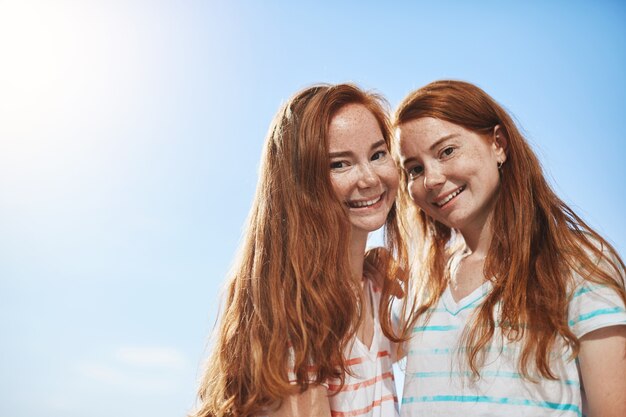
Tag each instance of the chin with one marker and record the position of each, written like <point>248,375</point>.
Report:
<point>368,227</point>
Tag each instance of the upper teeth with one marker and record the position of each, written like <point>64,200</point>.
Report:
<point>449,197</point>
<point>365,203</point>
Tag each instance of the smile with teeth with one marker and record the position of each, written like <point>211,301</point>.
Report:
<point>366,203</point>
<point>449,197</point>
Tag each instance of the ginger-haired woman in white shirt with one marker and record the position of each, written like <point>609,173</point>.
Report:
<point>300,333</point>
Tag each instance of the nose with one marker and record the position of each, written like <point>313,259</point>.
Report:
<point>367,176</point>
<point>433,179</point>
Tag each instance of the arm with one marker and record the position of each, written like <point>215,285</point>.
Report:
<point>603,368</point>
<point>311,403</point>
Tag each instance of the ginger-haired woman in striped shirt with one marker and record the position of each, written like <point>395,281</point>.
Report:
<point>300,333</point>
<point>523,308</point>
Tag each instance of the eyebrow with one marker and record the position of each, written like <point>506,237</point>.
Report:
<point>348,153</point>
<point>432,147</point>
<point>441,140</point>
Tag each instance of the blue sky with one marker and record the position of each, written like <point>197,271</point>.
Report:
<point>130,134</point>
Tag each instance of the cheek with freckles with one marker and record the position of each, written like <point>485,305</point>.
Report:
<point>391,179</point>
<point>342,183</point>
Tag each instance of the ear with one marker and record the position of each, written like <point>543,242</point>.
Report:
<point>500,143</point>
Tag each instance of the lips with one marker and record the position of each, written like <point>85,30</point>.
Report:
<point>443,201</point>
<point>364,203</point>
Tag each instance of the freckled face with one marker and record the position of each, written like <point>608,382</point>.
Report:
<point>452,172</point>
<point>363,174</point>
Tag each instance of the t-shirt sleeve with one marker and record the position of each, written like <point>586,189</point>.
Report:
<point>594,306</point>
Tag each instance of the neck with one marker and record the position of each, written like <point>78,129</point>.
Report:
<point>358,242</point>
<point>478,239</point>
<point>469,272</point>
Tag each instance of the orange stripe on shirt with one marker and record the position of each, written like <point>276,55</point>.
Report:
<point>356,361</point>
<point>366,383</point>
<point>367,409</point>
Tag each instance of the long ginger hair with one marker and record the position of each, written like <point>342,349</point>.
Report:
<point>290,302</point>
<point>538,242</point>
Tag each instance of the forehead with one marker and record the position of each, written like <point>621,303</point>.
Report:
<point>351,125</point>
<point>427,128</point>
<point>425,136</point>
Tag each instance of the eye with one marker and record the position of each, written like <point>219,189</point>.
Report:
<point>414,171</point>
<point>338,164</point>
<point>447,151</point>
<point>379,155</point>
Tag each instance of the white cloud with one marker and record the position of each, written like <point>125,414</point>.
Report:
<point>151,357</point>
<point>143,370</point>
<point>126,380</point>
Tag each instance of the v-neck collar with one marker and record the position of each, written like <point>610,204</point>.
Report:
<point>471,300</point>
<point>359,344</point>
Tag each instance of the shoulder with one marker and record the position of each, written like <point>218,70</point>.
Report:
<point>311,403</point>
<point>594,305</point>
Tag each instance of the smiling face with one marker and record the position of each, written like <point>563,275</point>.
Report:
<point>452,172</point>
<point>363,174</point>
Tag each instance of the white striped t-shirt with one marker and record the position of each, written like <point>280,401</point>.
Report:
<point>438,382</point>
<point>371,390</point>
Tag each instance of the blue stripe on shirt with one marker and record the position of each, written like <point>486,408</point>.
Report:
<point>595,313</point>
<point>448,351</point>
<point>434,328</point>
<point>588,288</point>
<point>492,400</point>
<point>470,305</point>
<point>497,374</point>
